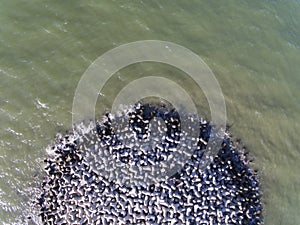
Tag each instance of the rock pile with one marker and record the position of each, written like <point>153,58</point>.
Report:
<point>73,192</point>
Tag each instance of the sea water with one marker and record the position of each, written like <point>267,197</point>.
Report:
<point>253,48</point>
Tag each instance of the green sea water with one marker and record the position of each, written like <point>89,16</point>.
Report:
<point>253,48</point>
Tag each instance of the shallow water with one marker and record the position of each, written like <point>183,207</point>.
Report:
<point>253,48</point>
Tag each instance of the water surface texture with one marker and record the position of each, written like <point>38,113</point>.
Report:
<point>253,48</point>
